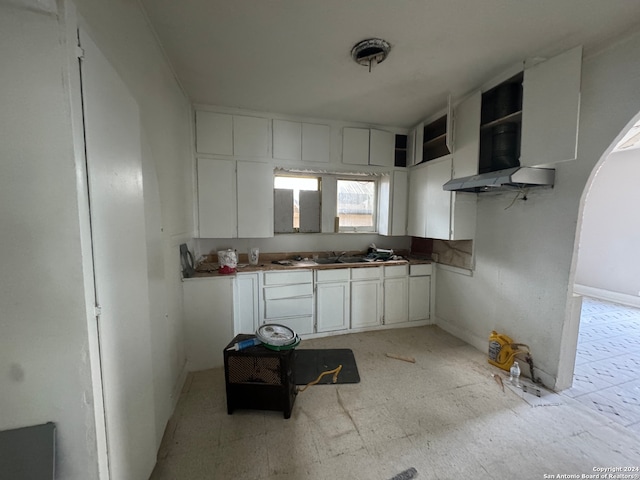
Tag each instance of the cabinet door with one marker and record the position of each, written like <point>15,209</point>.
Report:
<point>419,298</point>
<point>438,201</point>
<point>316,143</point>
<point>366,303</point>
<point>246,300</point>
<point>287,140</point>
<point>332,306</point>
<point>392,204</point>
<point>467,136</point>
<point>396,300</point>
<point>255,200</point>
<point>399,195</point>
<point>355,146</point>
<point>214,133</point>
<point>382,148</point>
<point>550,108</point>
<point>208,324</point>
<point>417,139</point>
<point>250,136</point>
<point>217,198</point>
<point>417,214</point>
<point>464,208</point>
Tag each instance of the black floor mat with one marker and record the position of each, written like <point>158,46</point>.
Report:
<point>308,364</point>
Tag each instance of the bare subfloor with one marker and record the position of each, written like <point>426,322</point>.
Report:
<point>445,415</point>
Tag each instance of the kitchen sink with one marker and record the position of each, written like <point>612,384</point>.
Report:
<point>334,260</point>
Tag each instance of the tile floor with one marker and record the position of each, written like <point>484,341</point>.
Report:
<point>445,416</point>
<point>607,373</point>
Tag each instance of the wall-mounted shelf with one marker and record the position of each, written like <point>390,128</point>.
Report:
<point>434,144</point>
<point>500,126</point>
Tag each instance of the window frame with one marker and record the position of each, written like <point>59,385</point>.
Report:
<point>328,188</point>
<point>374,213</point>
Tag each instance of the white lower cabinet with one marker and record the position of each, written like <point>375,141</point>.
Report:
<point>208,310</point>
<point>333,300</point>
<point>420,292</point>
<point>396,294</point>
<point>288,299</point>
<point>246,303</point>
<point>366,297</point>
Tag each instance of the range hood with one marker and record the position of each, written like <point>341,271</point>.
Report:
<point>509,179</point>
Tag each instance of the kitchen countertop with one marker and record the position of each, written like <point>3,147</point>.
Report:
<point>210,269</point>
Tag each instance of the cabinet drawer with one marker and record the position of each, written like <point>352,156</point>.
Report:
<point>417,270</point>
<point>288,307</point>
<point>286,278</point>
<point>288,291</point>
<point>395,271</point>
<point>338,275</point>
<point>367,273</point>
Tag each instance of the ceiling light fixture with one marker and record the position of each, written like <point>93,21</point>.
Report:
<point>370,52</point>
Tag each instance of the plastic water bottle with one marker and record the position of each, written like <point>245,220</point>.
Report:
<point>514,374</point>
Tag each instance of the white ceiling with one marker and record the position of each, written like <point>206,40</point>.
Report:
<point>293,56</point>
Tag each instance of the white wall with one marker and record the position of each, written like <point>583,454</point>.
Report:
<point>121,31</point>
<point>524,255</point>
<point>45,373</point>
<point>609,251</point>
<point>47,334</point>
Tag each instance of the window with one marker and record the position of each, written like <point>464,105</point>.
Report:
<point>356,205</point>
<point>297,204</point>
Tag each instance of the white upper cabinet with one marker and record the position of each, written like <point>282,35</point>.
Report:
<point>551,105</point>
<point>363,146</point>
<point>235,199</point>
<point>287,140</point>
<point>316,143</point>
<point>382,146</point>
<point>225,134</point>
<point>214,133</point>
<point>255,200</point>
<point>355,146</point>
<point>417,204</point>
<point>438,201</point>
<point>467,136</point>
<point>250,136</point>
<point>217,211</point>
<point>297,141</point>
<point>392,204</point>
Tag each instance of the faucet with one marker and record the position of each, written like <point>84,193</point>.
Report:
<point>339,256</point>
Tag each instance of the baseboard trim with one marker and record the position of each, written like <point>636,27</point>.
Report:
<point>607,295</point>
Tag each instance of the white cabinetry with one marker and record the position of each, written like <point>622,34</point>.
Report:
<point>434,212</point>
<point>225,134</point>
<point>208,310</point>
<point>392,203</point>
<point>550,109</point>
<point>419,292</point>
<point>366,297</point>
<point>255,200</point>
<point>333,300</point>
<point>288,299</point>
<point>217,206</point>
<point>235,199</point>
<point>417,203</point>
<point>396,294</point>
<point>363,146</point>
<point>246,302</point>
<point>301,141</point>
<point>214,133</point>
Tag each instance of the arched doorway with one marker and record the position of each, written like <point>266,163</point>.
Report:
<point>606,338</point>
